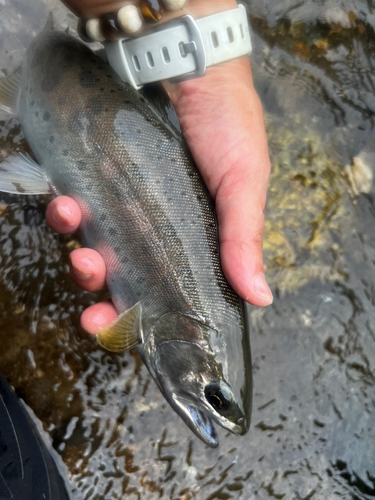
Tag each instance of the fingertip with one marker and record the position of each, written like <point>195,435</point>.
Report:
<point>98,316</point>
<point>243,268</point>
<point>87,269</point>
<point>63,215</point>
<point>259,292</point>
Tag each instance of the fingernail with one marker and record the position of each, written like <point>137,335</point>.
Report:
<point>62,214</point>
<point>85,271</point>
<point>262,289</point>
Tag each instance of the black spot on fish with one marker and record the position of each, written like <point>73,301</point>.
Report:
<point>112,91</point>
<point>109,76</point>
<point>32,103</point>
<point>96,105</point>
<point>81,165</point>
<point>112,231</point>
<point>102,89</point>
<point>127,102</point>
<point>139,131</point>
<point>182,220</point>
<point>65,152</point>
<point>160,157</point>
<point>103,217</point>
<point>46,116</point>
<point>173,160</point>
<point>183,193</point>
<point>87,79</point>
<point>139,280</point>
<point>51,138</point>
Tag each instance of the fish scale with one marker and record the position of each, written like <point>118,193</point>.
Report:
<point>146,210</point>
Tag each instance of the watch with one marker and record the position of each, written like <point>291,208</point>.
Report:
<point>182,48</point>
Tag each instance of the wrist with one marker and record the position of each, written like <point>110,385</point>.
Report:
<point>230,75</point>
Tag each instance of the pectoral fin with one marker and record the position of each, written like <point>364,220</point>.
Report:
<point>124,332</point>
<point>10,87</point>
<point>20,174</point>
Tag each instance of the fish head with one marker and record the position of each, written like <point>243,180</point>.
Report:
<point>191,374</point>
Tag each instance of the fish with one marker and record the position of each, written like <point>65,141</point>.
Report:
<point>146,210</point>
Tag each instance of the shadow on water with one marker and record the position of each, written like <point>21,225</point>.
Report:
<point>314,350</point>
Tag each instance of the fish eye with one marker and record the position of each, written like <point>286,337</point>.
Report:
<point>219,396</point>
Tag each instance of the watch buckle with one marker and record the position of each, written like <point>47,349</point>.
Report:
<point>117,51</point>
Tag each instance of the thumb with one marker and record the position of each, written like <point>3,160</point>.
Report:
<point>240,202</point>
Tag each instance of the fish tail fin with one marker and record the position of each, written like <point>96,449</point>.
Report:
<point>50,25</point>
<point>10,88</point>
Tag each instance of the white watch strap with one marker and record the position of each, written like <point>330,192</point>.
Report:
<point>182,48</point>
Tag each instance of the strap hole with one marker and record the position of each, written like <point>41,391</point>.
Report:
<point>136,64</point>
<point>165,54</point>
<point>215,40</point>
<point>150,60</point>
<point>182,50</point>
<point>242,32</point>
<point>230,34</point>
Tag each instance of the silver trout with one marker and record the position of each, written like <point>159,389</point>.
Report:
<point>147,212</point>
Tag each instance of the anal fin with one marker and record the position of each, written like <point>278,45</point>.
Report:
<point>20,174</point>
<point>124,332</point>
<point>10,88</point>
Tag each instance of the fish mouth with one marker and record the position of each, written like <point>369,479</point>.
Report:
<point>201,424</point>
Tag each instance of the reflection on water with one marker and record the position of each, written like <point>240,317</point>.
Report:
<point>314,350</point>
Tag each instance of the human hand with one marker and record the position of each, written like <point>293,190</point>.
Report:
<point>222,121</point>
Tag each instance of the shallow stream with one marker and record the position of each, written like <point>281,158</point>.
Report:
<point>313,425</point>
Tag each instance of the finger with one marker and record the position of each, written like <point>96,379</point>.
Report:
<point>240,234</point>
<point>63,215</point>
<point>240,203</point>
<point>87,269</point>
<point>98,316</point>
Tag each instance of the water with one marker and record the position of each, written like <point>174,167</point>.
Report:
<point>313,428</point>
